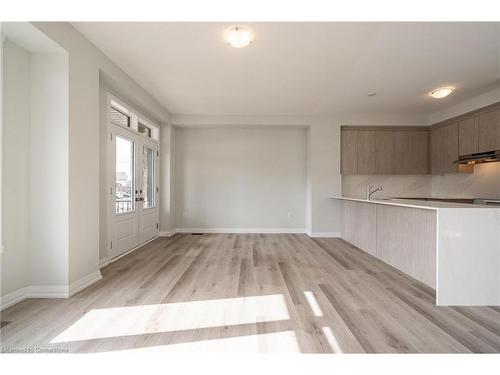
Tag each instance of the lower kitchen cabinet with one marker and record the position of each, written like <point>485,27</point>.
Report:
<point>359,225</point>
<point>406,239</point>
<point>403,237</point>
<point>442,245</point>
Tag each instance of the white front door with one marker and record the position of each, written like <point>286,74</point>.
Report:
<point>133,203</point>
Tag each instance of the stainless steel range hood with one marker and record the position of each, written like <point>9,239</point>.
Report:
<point>480,157</point>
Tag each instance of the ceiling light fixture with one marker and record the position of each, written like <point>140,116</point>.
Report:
<point>441,92</point>
<point>238,37</point>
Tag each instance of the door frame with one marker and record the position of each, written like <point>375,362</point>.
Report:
<point>140,140</point>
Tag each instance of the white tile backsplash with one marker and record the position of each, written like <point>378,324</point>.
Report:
<point>483,183</point>
<point>408,186</point>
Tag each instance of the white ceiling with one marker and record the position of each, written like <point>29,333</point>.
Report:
<point>304,68</point>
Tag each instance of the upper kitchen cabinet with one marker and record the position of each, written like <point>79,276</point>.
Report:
<point>349,152</point>
<point>402,152</point>
<point>390,150</point>
<point>444,148</point>
<point>468,136</point>
<point>451,148</point>
<point>411,152</point>
<point>419,148</point>
<point>384,152</point>
<point>366,152</point>
<point>489,130</point>
<point>437,152</point>
<point>479,132</point>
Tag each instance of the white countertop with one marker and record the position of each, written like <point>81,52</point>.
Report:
<point>429,205</point>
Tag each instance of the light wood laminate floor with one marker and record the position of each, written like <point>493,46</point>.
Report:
<point>251,292</point>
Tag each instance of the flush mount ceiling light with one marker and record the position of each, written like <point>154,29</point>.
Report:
<point>441,92</point>
<point>238,36</point>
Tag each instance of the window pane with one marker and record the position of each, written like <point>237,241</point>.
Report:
<point>143,129</point>
<point>148,170</point>
<point>119,118</point>
<point>124,197</point>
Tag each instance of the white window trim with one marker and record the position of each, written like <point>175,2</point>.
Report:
<point>135,118</point>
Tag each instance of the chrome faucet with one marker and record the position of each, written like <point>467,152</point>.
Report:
<point>372,189</point>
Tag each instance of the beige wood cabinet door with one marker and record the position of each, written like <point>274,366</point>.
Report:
<point>359,225</point>
<point>349,152</point>
<point>444,149</point>
<point>419,152</point>
<point>366,152</point>
<point>384,152</point>
<point>437,150</point>
<point>489,131</point>
<point>468,136</point>
<point>406,239</point>
<point>451,148</point>
<point>402,152</point>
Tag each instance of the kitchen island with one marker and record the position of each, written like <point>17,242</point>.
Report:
<point>452,247</point>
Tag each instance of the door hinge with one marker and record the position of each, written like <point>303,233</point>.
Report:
<point>111,190</point>
<point>111,135</point>
<point>111,245</point>
<point>157,189</point>
<point>157,226</point>
<point>157,153</point>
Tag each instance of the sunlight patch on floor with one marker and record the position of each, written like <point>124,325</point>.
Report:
<point>313,303</point>
<point>144,319</point>
<point>277,342</point>
<point>327,331</point>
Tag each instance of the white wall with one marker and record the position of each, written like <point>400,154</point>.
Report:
<point>167,197</point>
<point>85,63</point>
<point>35,169</point>
<point>15,162</point>
<point>323,156</point>
<point>483,183</point>
<point>323,177</point>
<point>240,177</point>
<point>48,169</point>
<point>479,101</point>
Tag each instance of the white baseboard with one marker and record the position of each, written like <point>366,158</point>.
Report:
<point>103,262</point>
<point>14,297</point>
<point>84,282</point>
<point>111,260</point>
<point>240,230</point>
<point>48,291</point>
<point>324,234</point>
<point>167,233</point>
<point>34,291</point>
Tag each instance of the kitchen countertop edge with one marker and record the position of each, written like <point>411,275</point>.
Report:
<point>427,205</point>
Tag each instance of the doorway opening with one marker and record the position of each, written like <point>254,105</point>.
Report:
<point>133,158</point>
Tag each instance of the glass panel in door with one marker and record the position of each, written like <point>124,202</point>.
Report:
<point>148,177</point>
<point>124,189</point>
